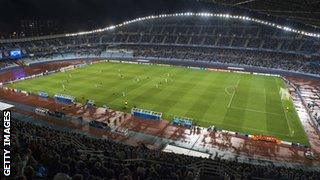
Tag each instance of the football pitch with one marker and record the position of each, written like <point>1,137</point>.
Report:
<point>232,101</point>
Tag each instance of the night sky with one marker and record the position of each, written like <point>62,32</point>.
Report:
<point>80,15</point>
<point>75,15</point>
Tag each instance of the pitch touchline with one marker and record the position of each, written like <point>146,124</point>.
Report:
<point>285,114</point>
<point>234,92</point>
<point>245,109</point>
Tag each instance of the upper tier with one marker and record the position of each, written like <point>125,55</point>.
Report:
<point>209,31</point>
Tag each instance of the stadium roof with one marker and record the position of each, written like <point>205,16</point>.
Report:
<point>5,106</point>
<point>204,14</point>
<point>306,12</point>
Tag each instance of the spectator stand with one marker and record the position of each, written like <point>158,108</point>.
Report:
<point>99,125</point>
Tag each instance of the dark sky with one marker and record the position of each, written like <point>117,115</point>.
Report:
<point>77,15</point>
<point>79,12</point>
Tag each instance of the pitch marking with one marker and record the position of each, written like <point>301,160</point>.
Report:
<point>226,89</point>
<point>253,110</point>
<point>283,108</point>
<point>234,92</point>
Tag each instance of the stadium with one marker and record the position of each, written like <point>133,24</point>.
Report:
<point>187,95</point>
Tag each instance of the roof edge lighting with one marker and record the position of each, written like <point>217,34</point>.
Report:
<point>203,14</point>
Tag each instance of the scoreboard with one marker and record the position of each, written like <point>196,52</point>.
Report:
<point>12,54</point>
<point>15,54</point>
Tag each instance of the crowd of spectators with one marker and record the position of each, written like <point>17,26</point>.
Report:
<point>42,152</point>
<point>270,43</point>
<point>45,152</point>
<point>185,31</point>
<point>267,59</point>
<point>292,62</point>
<point>56,54</point>
<point>314,106</point>
<point>200,39</point>
<point>315,110</point>
<point>5,64</point>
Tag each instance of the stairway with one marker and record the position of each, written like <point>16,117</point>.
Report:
<point>20,63</point>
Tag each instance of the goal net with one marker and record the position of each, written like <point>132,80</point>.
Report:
<point>284,94</point>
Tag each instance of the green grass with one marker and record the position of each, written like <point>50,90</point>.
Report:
<point>238,102</point>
